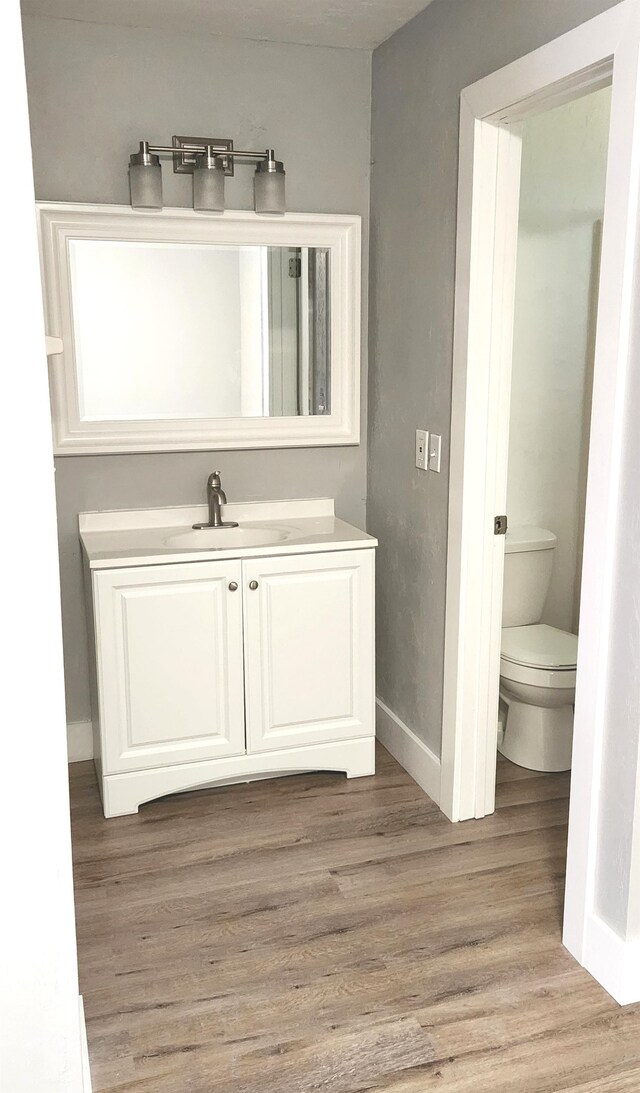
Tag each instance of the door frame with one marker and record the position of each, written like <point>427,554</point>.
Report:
<point>602,51</point>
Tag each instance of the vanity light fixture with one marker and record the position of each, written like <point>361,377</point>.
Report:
<point>208,159</point>
<point>145,179</point>
<point>268,185</point>
<point>208,183</point>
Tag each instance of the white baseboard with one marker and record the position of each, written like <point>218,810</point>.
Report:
<point>614,962</point>
<point>79,741</point>
<point>417,759</point>
<point>86,1072</point>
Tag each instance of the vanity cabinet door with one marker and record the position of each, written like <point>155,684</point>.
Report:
<point>170,674</point>
<point>309,675</point>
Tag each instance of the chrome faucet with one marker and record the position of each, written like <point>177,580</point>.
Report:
<point>215,498</point>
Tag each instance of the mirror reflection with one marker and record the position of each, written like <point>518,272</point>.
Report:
<point>245,330</point>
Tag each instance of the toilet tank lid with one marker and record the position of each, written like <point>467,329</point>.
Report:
<point>528,538</point>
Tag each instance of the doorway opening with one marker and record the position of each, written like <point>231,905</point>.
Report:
<point>562,190</point>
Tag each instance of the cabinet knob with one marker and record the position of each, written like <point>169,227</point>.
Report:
<point>253,585</point>
<point>233,586</point>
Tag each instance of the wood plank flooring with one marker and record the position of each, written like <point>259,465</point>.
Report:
<point>318,935</point>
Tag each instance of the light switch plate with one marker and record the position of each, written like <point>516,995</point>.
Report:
<point>422,449</point>
<point>435,449</point>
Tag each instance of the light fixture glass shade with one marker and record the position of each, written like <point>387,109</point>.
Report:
<point>145,179</point>
<point>208,184</point>
<point>268,187</point>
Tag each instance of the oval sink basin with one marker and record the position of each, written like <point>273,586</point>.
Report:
<point>224,538</point>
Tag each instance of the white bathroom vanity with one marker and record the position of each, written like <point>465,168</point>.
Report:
<point>227,654</point>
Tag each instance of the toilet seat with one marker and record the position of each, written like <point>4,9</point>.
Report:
<point>558,678</point>
<point>539,655</point>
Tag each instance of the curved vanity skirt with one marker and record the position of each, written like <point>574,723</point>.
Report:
<point>122,794</point>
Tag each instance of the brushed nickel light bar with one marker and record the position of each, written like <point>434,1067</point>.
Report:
<point>209,160</point>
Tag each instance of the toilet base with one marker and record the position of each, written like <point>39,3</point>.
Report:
<point>535,737</point>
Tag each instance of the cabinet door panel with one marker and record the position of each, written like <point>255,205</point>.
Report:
<point>170,657</point>
<point>308,649</point>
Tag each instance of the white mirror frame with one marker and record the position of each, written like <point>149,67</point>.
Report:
<point>60,222</point>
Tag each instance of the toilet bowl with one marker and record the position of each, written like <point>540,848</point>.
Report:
<point>537,662</point>
<point>537,689</point>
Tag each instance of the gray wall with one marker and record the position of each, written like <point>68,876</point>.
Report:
<point>94,92</point>
<point>417,78</point>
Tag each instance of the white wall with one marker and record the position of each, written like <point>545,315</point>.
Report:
<point>562,197</point>
<point>40,1019</point>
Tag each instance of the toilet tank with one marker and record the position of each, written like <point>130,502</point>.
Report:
<point>528,562</point>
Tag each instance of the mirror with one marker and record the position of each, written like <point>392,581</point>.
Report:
<point>246,328</point>
<point>182,330</point>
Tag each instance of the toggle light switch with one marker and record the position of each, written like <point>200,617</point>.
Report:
<point>435,448</point>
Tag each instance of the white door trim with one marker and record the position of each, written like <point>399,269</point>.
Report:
<point>601,50</point>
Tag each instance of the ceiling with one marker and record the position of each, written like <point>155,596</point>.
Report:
<point>355,24</point>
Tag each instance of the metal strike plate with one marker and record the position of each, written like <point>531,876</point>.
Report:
<point>183,161</point>
<point>500,525</point>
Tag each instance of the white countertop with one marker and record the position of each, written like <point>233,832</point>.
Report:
<point>148,536</point>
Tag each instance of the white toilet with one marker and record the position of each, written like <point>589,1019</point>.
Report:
<point>537,662</point>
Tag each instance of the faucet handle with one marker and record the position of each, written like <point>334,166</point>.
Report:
<point>213,481</point>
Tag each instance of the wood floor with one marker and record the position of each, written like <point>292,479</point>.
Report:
<point>319,935</point>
